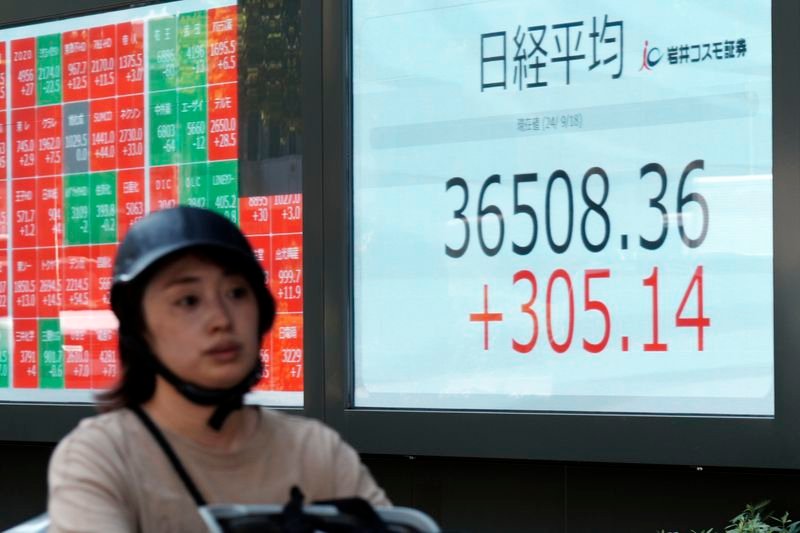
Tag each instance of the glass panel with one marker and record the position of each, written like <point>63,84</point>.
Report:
<point>104,118</point>
<point>563,206</point>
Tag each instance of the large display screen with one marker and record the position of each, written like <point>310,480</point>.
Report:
<point>563,206</point>
<point>104,118</point>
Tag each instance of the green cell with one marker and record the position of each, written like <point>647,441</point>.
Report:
<point>48,69</point>
<point>103,203</point>
<point>162,40</point>
<point>4,354</point>
<point>192,121</point>
<point>194,185</point>
<point>51,354</point>
<point>163,128</point>
<point>76,209</point>
<point>192,49</point>
<point>223,189</point>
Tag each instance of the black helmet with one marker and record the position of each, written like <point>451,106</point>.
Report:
<point>152,241</point>
<point>164,233</point>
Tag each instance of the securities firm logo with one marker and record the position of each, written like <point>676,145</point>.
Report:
<point>692,53</point>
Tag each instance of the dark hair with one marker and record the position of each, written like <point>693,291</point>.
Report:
<point>137,382</point>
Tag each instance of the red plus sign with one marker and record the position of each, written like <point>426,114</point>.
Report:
<point>486,317</point>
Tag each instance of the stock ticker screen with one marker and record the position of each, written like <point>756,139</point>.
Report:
<point>104,118</point>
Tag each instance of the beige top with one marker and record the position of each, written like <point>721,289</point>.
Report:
<point>109,474</point>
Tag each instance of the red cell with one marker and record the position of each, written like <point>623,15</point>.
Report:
<point>77,352</point>
<point>23,72</point>
<point>100,285</point>
<point>3,145</point>
<point>163,187</point>
<point>287,353</point>
<point>223,130</point>
<point>49,211</point>
<point>102,62</point>
<point>262,248</point>
<point>75,65</point>
<point>266,362</point>
<point>23,135</point>
<point>76,273</point>
<point>23,212</point>
<point>3,83</point>
<point>287,213</point>
<point>25,276</point>
<point>103,135</point>
<point>287,272</point>
<point>222,45</point>
<point>130,199</point>
<point>26,354</point>
<point>3,214</point>
<point>3,282</point>
<point>49,132</point>
<point>130,53</point>
<point>49,281</point>
<point>130,130</point>
<point>254,215</point>
<point>105,363</point>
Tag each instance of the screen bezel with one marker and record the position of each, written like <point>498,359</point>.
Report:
<point>48,422</point>
<point>762,442</point>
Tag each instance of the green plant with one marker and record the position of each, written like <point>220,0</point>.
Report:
<point>757,519</point>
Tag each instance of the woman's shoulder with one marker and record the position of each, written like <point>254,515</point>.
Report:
<point>100,435</point>
<point>113,424</point>
<point>332,468</point>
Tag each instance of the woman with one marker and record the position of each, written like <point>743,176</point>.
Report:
<point>192,307</point>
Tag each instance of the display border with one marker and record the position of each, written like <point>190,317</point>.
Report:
<point>760,442</point>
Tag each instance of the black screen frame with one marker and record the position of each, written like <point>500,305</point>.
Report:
<point>758,442</point>
<point>328,305</point>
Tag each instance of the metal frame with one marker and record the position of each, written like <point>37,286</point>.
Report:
<point>313,216</point>
<point>688,440</point>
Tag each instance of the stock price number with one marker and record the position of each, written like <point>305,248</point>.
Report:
<point>591,207</point>
<point>541,313</point>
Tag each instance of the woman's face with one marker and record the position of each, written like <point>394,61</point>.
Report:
<point>202,322</point>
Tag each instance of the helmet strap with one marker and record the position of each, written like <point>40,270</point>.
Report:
<point>227,400</point>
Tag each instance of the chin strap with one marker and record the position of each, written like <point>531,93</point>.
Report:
<point>227,400</point>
